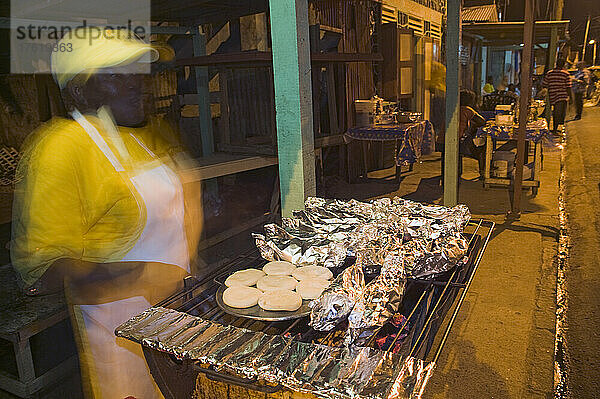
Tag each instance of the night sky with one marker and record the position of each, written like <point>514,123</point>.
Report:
<point>576,11</point>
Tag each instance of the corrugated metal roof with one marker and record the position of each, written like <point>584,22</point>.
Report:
<point>486,13</point>
<point>511,33</point>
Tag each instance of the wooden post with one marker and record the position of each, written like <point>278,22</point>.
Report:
<point>204,114</point>
<point>526,77</point>
<point>552,47</point>
<point>484,55</point>
<point>558,9</point>
<point>293,102</point>
<point>315,36</point>
<point>585,38</point>
<point>452,104</point>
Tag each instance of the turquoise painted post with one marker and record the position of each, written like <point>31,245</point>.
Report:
<point>293,102</point>
<point>452,104</point>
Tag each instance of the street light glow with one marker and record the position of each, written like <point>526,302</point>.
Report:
<point>592,41</point>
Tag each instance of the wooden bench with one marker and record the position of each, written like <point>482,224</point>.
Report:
<point>36,340</point>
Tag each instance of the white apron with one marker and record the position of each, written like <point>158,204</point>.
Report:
<point>117,366</point>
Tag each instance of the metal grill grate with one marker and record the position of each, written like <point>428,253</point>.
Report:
<point>424,307</point>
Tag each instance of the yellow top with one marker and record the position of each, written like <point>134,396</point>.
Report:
<point>488,88</point>
<point>71,202</point>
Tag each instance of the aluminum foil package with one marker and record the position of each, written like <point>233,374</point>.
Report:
<point>136,327</point>
<point>426,259</point>
<point>406,238</point>
<point>326,372</point>
<point>302,248</point>
<point>284,365</point>
<point>337,301</point>
<point>411,380</point>
<point>356,377</point>
<point>381,298</point>
<point>304,375</point>
<point>180,323</point>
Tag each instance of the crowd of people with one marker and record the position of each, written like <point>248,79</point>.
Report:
<point>558,86</point>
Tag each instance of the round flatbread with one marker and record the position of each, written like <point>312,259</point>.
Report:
<point>312,288</point>
<point>245,278</point>
<point>304,272</point>
<point>279,268</point>
<point>241,297</point>
<point>278,300</point>
<point>268,283</point>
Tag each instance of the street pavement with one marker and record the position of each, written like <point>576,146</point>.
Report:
<point>502,343</point>
<point>582,194</point>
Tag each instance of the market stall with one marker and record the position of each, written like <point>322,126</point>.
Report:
<point>396,269</point>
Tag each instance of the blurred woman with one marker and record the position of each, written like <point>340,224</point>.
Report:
<point>101,209</point>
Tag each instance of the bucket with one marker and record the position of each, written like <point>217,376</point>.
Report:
<point>364,111</point>
<point>503,163</point>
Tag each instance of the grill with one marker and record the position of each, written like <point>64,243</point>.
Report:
<point>427,314</point>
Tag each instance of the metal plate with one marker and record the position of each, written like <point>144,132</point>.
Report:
<point>257,313</point>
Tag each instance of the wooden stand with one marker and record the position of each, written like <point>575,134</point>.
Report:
<point>489,181</point>
<point>37,328</point>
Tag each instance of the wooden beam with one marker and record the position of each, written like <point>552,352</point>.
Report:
<point>224,101</point>
<point>526,78</point>
<point>452,103</point>
<point>552,47</point>
<point>266,57</point>
<point>315,35</point>
<point>329,141</point>
<point>240,228</point>
<point>205,117</point>
<point>332,100</point>
<point>293,102</point>
<point>223,164</point>
<point>484,57</point>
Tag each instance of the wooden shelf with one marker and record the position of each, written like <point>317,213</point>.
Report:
<point>266,58</point>
<point>221,164</point>
<point>329,141</point>
<point>507,182</point>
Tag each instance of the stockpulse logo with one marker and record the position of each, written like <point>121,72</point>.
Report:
<point>55,33</point>
<point>37,27</point>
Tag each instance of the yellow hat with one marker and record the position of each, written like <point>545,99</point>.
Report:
<point>87,49</point>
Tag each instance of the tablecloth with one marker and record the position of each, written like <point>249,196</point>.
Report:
<point>412,139</point>
<point>535,131</point>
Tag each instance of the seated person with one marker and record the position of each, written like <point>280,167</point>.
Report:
<point>470,121</point>
<point>499,97</point>
<point>489,86</point>
<point>513,90</point>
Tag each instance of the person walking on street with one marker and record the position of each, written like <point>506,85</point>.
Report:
<point>558,83</point>
<point>581,80</point>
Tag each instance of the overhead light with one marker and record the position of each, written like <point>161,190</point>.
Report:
<point>592,41</point>
<point>522,44</point>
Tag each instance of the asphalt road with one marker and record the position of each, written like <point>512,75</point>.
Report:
<point>582,194</point>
